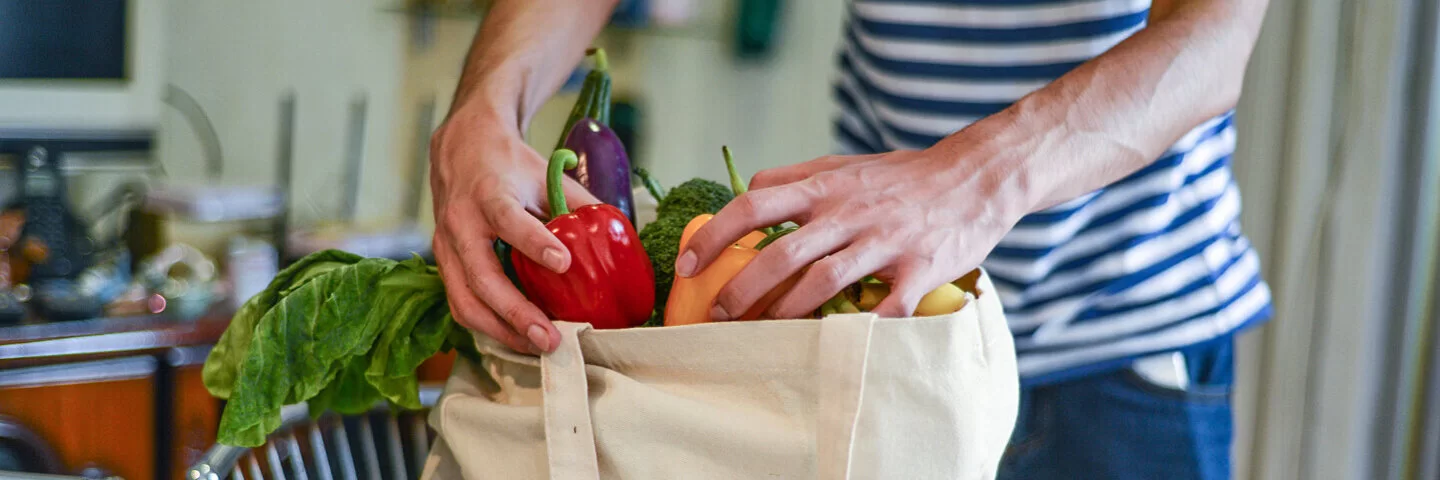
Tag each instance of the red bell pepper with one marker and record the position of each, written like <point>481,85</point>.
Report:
<point>610,283</point>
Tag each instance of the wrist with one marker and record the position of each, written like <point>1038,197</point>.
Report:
<point>470,127</point>
<point>493,91</point>
<point>1000,154</point>
<point>490,111</point>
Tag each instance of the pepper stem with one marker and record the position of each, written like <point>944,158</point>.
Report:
<point>560,161</point>
<point>736,183</point>
<point>771,237</point>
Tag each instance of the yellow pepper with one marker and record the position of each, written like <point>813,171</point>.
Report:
<point>692,298</point>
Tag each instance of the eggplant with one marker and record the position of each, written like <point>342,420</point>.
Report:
<point>603,167</point>
<point>594,101</point>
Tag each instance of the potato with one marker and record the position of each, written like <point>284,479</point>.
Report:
<point>871,294</point>
<point>947,298</point>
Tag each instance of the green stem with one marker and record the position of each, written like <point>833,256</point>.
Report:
<point>650,183</point>
<point>599,107</point>
<point>772,237</point>
<point>560,161</point>
<point>582,104</point>
<point>602,62</point>
<point>736,183</point>
<point>592,104</point>
<point>602,109</point>
<point>597,84</point>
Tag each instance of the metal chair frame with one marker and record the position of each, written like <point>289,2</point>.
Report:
<point>330,458</point>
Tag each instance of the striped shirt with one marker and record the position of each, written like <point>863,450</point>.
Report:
<point>1151,263</point>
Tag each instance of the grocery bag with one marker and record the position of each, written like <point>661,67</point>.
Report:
<point>849,396</point>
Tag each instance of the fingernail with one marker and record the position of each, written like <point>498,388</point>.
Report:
<point>718,314</point>
<point>685,266</point>
<point>538,337</point>
<point>554,260</point>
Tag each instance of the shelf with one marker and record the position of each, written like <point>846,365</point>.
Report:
<point>72,163</point>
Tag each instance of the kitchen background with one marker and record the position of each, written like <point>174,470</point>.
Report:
<point>225,107</point>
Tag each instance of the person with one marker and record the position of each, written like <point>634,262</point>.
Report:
<point>1078,150</point>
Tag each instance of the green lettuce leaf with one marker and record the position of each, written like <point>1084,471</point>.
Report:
<point>300,345</point>
<point>415,315</point>
<point>337,331</point>
<point>461,339</point>
<point>348,394</point>
<point>222,366</point>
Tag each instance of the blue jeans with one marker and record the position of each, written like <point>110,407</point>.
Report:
<point>1120,426</point>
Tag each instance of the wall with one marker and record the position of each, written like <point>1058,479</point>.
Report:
<point>694,95</point>
<point>771,113</point>
<point>238,58</point>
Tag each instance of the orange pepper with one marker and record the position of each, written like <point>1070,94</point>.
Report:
<point>692,298</point>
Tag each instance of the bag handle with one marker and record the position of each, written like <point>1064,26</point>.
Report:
<point>842,357</point>
<point>569,434</point>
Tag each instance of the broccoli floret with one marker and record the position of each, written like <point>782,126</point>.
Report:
<point>694,197</point>
<point>661,239</point>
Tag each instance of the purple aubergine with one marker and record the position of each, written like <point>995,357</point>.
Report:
<point>603,167</point>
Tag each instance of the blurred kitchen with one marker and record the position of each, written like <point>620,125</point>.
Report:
<point>161,159</point>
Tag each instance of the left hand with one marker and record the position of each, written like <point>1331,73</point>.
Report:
<point>915,219</point>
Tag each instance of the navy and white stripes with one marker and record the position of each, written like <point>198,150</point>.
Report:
<point>1151,263</point>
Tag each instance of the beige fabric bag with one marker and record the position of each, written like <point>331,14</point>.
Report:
<point>849,396</point>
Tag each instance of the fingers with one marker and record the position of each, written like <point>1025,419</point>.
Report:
<point>486,278</point>
<point>467,308</point>
<point>576,195</point>
<point>776,263</point>
<point>753,210</point>
<point>905,293</point>
<point>793,173</point>
<point>521,230</point>
<point>829,276</point>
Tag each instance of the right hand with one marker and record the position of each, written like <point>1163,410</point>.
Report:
<point>488,182</point>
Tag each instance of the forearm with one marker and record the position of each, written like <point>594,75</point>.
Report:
<point>522,54</point>
<point>1120,111</point>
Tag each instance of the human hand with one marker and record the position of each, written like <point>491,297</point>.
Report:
<point>487,182</point>
<point>916,219</point>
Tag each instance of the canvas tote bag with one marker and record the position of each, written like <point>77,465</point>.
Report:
<point>844,397</point>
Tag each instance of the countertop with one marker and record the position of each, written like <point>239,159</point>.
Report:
<point>41,343</point>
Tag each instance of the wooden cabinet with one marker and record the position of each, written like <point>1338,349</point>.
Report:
<point>121,396</point>
<point>194,414</point>
<point>95,414</point>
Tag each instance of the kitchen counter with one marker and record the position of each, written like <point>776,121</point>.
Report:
<point>42,343</point>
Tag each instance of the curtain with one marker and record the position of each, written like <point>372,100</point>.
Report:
<point>1338,172</point>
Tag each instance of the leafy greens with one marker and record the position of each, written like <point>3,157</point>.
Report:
<point>335,330</point>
